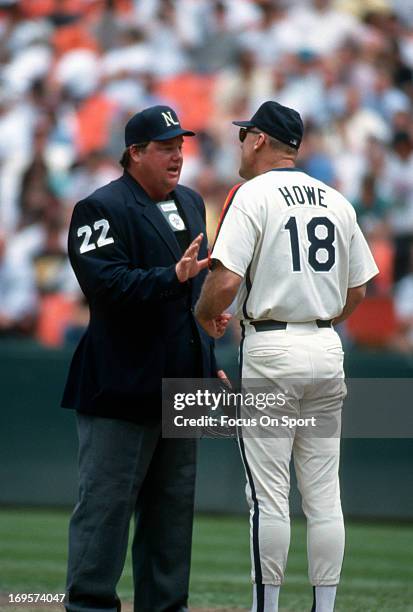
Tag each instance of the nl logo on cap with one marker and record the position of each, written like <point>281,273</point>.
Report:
<point>169,120</point>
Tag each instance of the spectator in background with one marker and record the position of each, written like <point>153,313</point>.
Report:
<point>130,56</point>
<point>304,87</point>
<point>372,215</point>
<point>370,206</point>
<point>18,296</point>
<point>52,270</point>
<point>167,46</point>
<point>403,302</point>
<point>59,294</point>
<point>220,40</point>
<point>267,38</point>
<point>17,123</point>
<point>36,194</point>
<point>315,159</point>
<point>350,139</point>
<point>361,123</point>
<point>386,99</point>
<point>88,174</point>
<point>245,80</point>
<point>320,27</point>
<point>398,181</point>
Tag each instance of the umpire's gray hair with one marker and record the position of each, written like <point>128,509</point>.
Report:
<point>125,160</point>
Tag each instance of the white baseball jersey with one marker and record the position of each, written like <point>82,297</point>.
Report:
<point>297,245</point>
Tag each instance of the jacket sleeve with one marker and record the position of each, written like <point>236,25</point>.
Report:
<point>214,365</point>
<point>99,257</point>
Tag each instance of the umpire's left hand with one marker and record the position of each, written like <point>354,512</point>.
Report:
<point>189,266</point>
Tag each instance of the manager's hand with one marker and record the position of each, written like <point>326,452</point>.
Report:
<point>189,265</point>
<point>217,326</point>
<point>224,378</point>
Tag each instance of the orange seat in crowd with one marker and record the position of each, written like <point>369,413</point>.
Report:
<point>93,124</point>
<point>74,36</point>
<point>192,95</point>
<point>374,322</point>
<point>56,313</point>
<point>41,8</point>
<point>383,253</point>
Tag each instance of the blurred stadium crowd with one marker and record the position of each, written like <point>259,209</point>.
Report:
<point>73,71</point>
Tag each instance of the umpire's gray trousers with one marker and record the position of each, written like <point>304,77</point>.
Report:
<point>127,469</point>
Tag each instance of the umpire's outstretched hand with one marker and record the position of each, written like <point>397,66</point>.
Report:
<point>189,266</point>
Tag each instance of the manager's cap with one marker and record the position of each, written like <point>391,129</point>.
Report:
<point>154,123</point>
<point>278,121</point>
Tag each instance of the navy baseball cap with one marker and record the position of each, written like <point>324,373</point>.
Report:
<point>154,123</point>
<point>278,121</point>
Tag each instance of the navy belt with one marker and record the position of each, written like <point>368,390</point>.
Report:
<point>261,326</point>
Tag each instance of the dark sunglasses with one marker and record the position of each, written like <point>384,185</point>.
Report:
<point>243,131</point>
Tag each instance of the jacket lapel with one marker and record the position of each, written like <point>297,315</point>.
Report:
<point>191,215</point>
<point>153,215</point>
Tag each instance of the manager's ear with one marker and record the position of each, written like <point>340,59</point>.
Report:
<point>260,142</point>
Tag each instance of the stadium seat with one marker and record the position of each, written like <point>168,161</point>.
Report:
<point>55,314</point>
<point>374,323</point>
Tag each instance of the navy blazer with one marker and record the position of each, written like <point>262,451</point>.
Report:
<point>124,255</point>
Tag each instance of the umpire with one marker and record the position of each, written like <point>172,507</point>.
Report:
<point>134,247</point>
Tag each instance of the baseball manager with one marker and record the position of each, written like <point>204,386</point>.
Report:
<point>289,249</point>
<point>134,247</point>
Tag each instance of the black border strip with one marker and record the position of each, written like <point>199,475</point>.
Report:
<point>248,286</point>
<point>255,518</point>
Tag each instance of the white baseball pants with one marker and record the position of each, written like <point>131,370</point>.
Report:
<point>308,362</point>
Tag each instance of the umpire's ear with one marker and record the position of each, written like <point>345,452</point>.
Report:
<point>136,151</point>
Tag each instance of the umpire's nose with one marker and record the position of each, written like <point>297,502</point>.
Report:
<point>177,153</point>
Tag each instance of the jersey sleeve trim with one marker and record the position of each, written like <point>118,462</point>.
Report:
<point>228,265</point>
<point>225,208</point>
